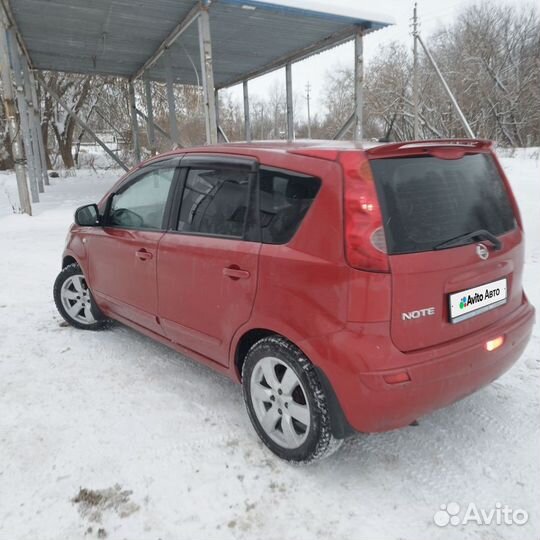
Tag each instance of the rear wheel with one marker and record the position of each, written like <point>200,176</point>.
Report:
<point>285,401</point>
<point>74,300</point>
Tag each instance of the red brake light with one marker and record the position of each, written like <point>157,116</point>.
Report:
<point>365,245</point>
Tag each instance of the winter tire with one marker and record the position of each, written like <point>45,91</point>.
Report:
<point>74,300</point>
<point>285,401</point>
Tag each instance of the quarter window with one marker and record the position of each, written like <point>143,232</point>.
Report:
<point>285,197</point>
<point>142,204</point>
<point>215,201</point>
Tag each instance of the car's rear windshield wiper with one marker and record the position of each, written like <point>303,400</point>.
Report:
<point>480,234</point>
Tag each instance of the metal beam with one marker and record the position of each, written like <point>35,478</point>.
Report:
<point>290,112</point>
<point>344,128</point>
<point>223,134</point>
<point>207,69</point>
<point>319,46</point>
<point>173,125</point>
<point>12,122</point>
<point>151,134</point>
<point>158,128</point>
<point>104,117</point>
<point>134,122</point>
<point>358,83</point>
<point>30,150</point>
<point>80,122</point>
<point>247,123</point>
<point>216,101</point>
<point>466,125</point>
<point>177,31</point>
<point>31,83</point>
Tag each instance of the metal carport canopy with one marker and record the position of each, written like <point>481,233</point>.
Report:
<point>128,37</point>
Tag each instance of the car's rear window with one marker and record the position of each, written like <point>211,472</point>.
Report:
<point>426,200</point>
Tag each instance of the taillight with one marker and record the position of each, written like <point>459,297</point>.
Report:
<point>365,244</point>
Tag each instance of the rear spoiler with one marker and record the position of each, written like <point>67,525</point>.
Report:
<point>443,148</point>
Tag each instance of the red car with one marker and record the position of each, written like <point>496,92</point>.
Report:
<point>347,289</point>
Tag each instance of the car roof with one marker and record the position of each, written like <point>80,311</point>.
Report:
<point>270,147</point>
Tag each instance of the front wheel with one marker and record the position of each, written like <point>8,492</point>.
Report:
<point>74,300</point>
<point>285,401</point>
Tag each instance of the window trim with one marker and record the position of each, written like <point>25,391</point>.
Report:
<point>251,227</point>
<point>170,163</point>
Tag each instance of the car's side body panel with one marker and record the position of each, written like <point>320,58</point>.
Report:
<point>201,304</point>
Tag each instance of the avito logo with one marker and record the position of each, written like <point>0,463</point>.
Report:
<point>469,300</point>
<point>478,297</point>
<point>453,514</point>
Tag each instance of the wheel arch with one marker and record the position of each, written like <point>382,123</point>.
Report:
<point>339,424</point>
<point>67,260</point>
<point>245,342</point>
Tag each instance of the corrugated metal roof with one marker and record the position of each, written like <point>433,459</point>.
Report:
<point>116,37</point>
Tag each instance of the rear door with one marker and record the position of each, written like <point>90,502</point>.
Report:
<point>209,257</point>
<point>429,195</point>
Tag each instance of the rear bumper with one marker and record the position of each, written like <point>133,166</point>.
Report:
<point>438,376</point>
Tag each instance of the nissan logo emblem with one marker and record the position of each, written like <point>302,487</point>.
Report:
<point>482,251</point>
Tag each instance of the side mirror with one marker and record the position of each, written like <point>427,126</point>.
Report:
<point>87,216</point>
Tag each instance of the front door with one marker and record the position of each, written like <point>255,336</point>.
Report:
<point>123,254</point>
<point>208,261</point>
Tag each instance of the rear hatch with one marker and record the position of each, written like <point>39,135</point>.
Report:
<point>453,236</point>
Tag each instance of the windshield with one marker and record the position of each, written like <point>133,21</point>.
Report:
<point>426,200</point>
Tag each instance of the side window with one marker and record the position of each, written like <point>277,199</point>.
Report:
<point>284,200</point>
<point>142,204</point>
<point>215,201</point>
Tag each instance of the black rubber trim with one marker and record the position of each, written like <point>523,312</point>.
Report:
<point>339,424</point>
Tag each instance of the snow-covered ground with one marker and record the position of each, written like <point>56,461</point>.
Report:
<point>167,443</point>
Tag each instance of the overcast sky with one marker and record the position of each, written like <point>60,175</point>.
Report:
<point>432,14</point>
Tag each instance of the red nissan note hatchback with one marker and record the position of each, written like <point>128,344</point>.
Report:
<point>347,289</point>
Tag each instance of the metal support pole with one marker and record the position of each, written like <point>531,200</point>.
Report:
<point>466,125</point>
<point>31,97</point>
<point>173,126</point>
<point>30,148</point>
<point>308,100</point>
<point>11,118</point>
<point>247,123</point>
<point>415,73</point>
<point>158,128</point>
<point>150,119</point>
<point>216,101</point>
<point>34,128</point>
<point>31,83</point>
<point>134,122</point>
<point>42,177</point>
<point>207,69</point>
<point>290,113</point>
<point>80,122</point>
<point>358,83</point>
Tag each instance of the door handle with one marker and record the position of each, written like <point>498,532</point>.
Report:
<point>235,272</point>
<point>143,255</point>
